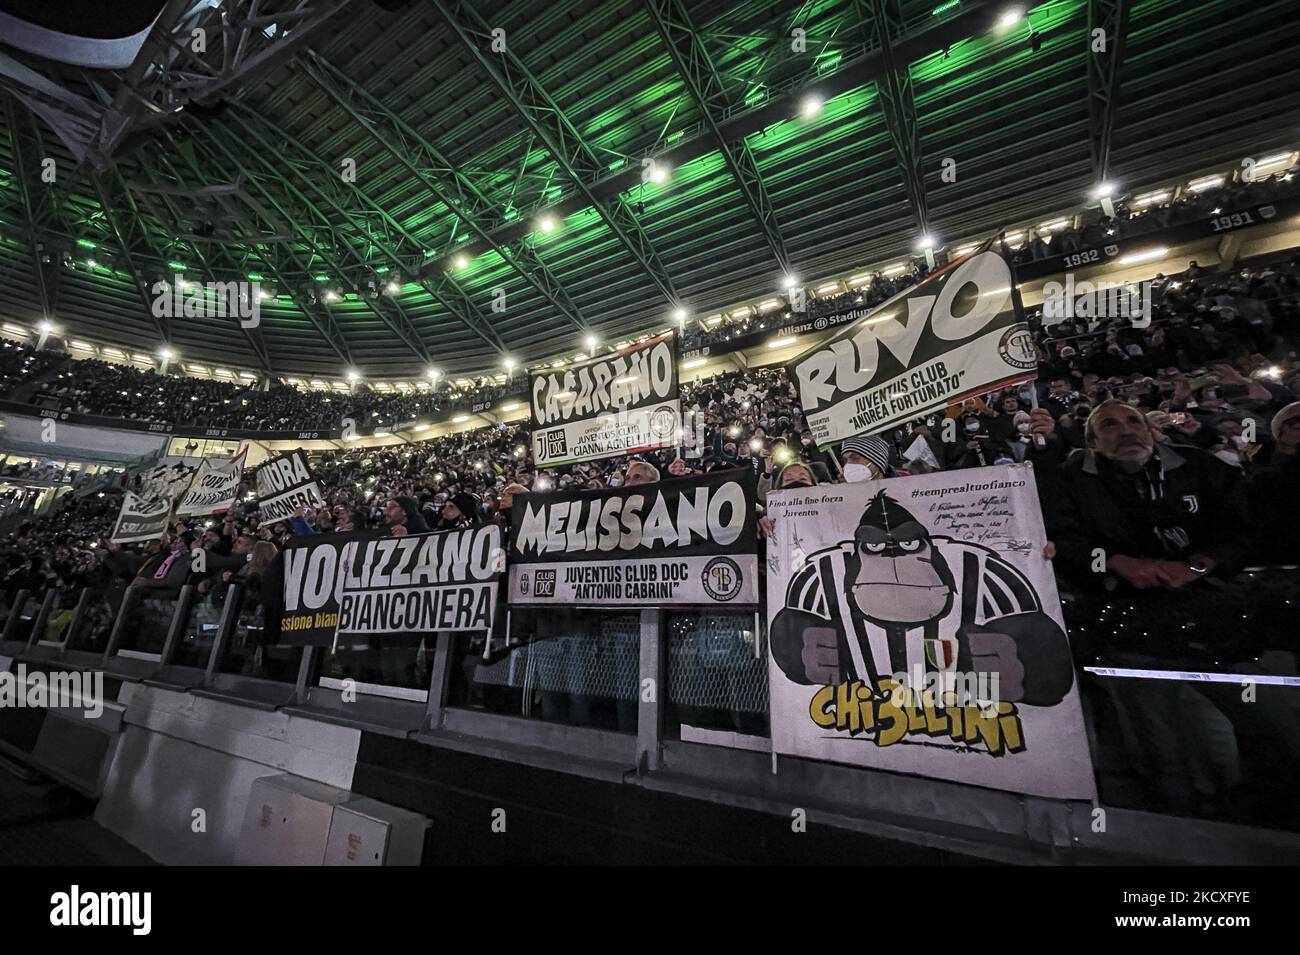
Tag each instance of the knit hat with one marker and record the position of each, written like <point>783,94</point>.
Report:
<point>873,449</point>
<point>1282,417</point>
<point>467,504</point>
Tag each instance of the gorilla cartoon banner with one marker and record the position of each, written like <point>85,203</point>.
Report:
<point>914,626</point>
<point>954,335</point>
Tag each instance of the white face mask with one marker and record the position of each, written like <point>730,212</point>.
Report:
<point>615,481</point>
<point>854,473</point>
<point>1229,457</point>
<point>1023,428</point>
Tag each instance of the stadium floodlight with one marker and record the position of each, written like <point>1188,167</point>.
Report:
<point>1103,190</point>
<point>433,374</point>
<point>680,315</point>
<point>658,173</point>
<point>91,263</point>
<point>591,342</point>
<point>331,296</point>
<point>925,243</point>
<point>166,354</point>
<point>353,375</point>
<point>460,261</point>
<point>45,327</point>
<point>1010,17</point>
<point>546,224</point>
<point>790,282</point>
<point>1146,255</point>
<point>510,364</point>
<point>1205,183</point>
<point>393,288</point>
<point>811,105</point>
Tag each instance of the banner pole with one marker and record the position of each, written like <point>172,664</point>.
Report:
<point>1018,304</point>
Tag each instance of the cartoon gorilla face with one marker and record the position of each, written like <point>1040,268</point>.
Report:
<point>896,576</point>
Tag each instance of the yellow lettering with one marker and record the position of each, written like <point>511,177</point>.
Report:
<point>819,707</point>
<point>891,715</point>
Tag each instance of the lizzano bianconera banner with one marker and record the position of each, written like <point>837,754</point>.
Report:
<point>914,626</point>
<point>359,585</point>
<point>686,541</point>
<point>953,335</point>
<point>620,404</point>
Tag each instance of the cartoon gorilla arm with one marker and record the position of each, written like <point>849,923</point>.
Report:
<point>806,648</point>
<point>1028,651</point>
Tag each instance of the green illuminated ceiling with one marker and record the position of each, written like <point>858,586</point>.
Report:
<point>1015,120</point>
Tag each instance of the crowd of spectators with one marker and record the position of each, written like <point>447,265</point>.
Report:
<point>20,364</point>
<point>102,388</point>
<point>1171,448</point>
<point>1132,220</point>
<point>1213,375</point>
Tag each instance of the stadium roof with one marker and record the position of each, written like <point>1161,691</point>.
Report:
<point>671,145</point>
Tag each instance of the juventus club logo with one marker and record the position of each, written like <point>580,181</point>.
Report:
<point>722,578</point>
<point>1193,504</point>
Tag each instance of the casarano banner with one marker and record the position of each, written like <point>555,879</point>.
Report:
<point>954,335</point>
<point>620,404</point>
<point>686,541</point>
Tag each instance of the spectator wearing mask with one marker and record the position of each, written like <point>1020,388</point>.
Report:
<point>865,459</point>
<point>1032,438</point>
<point>974,446</point>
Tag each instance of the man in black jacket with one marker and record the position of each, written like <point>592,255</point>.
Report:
<point>1130,509</point>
